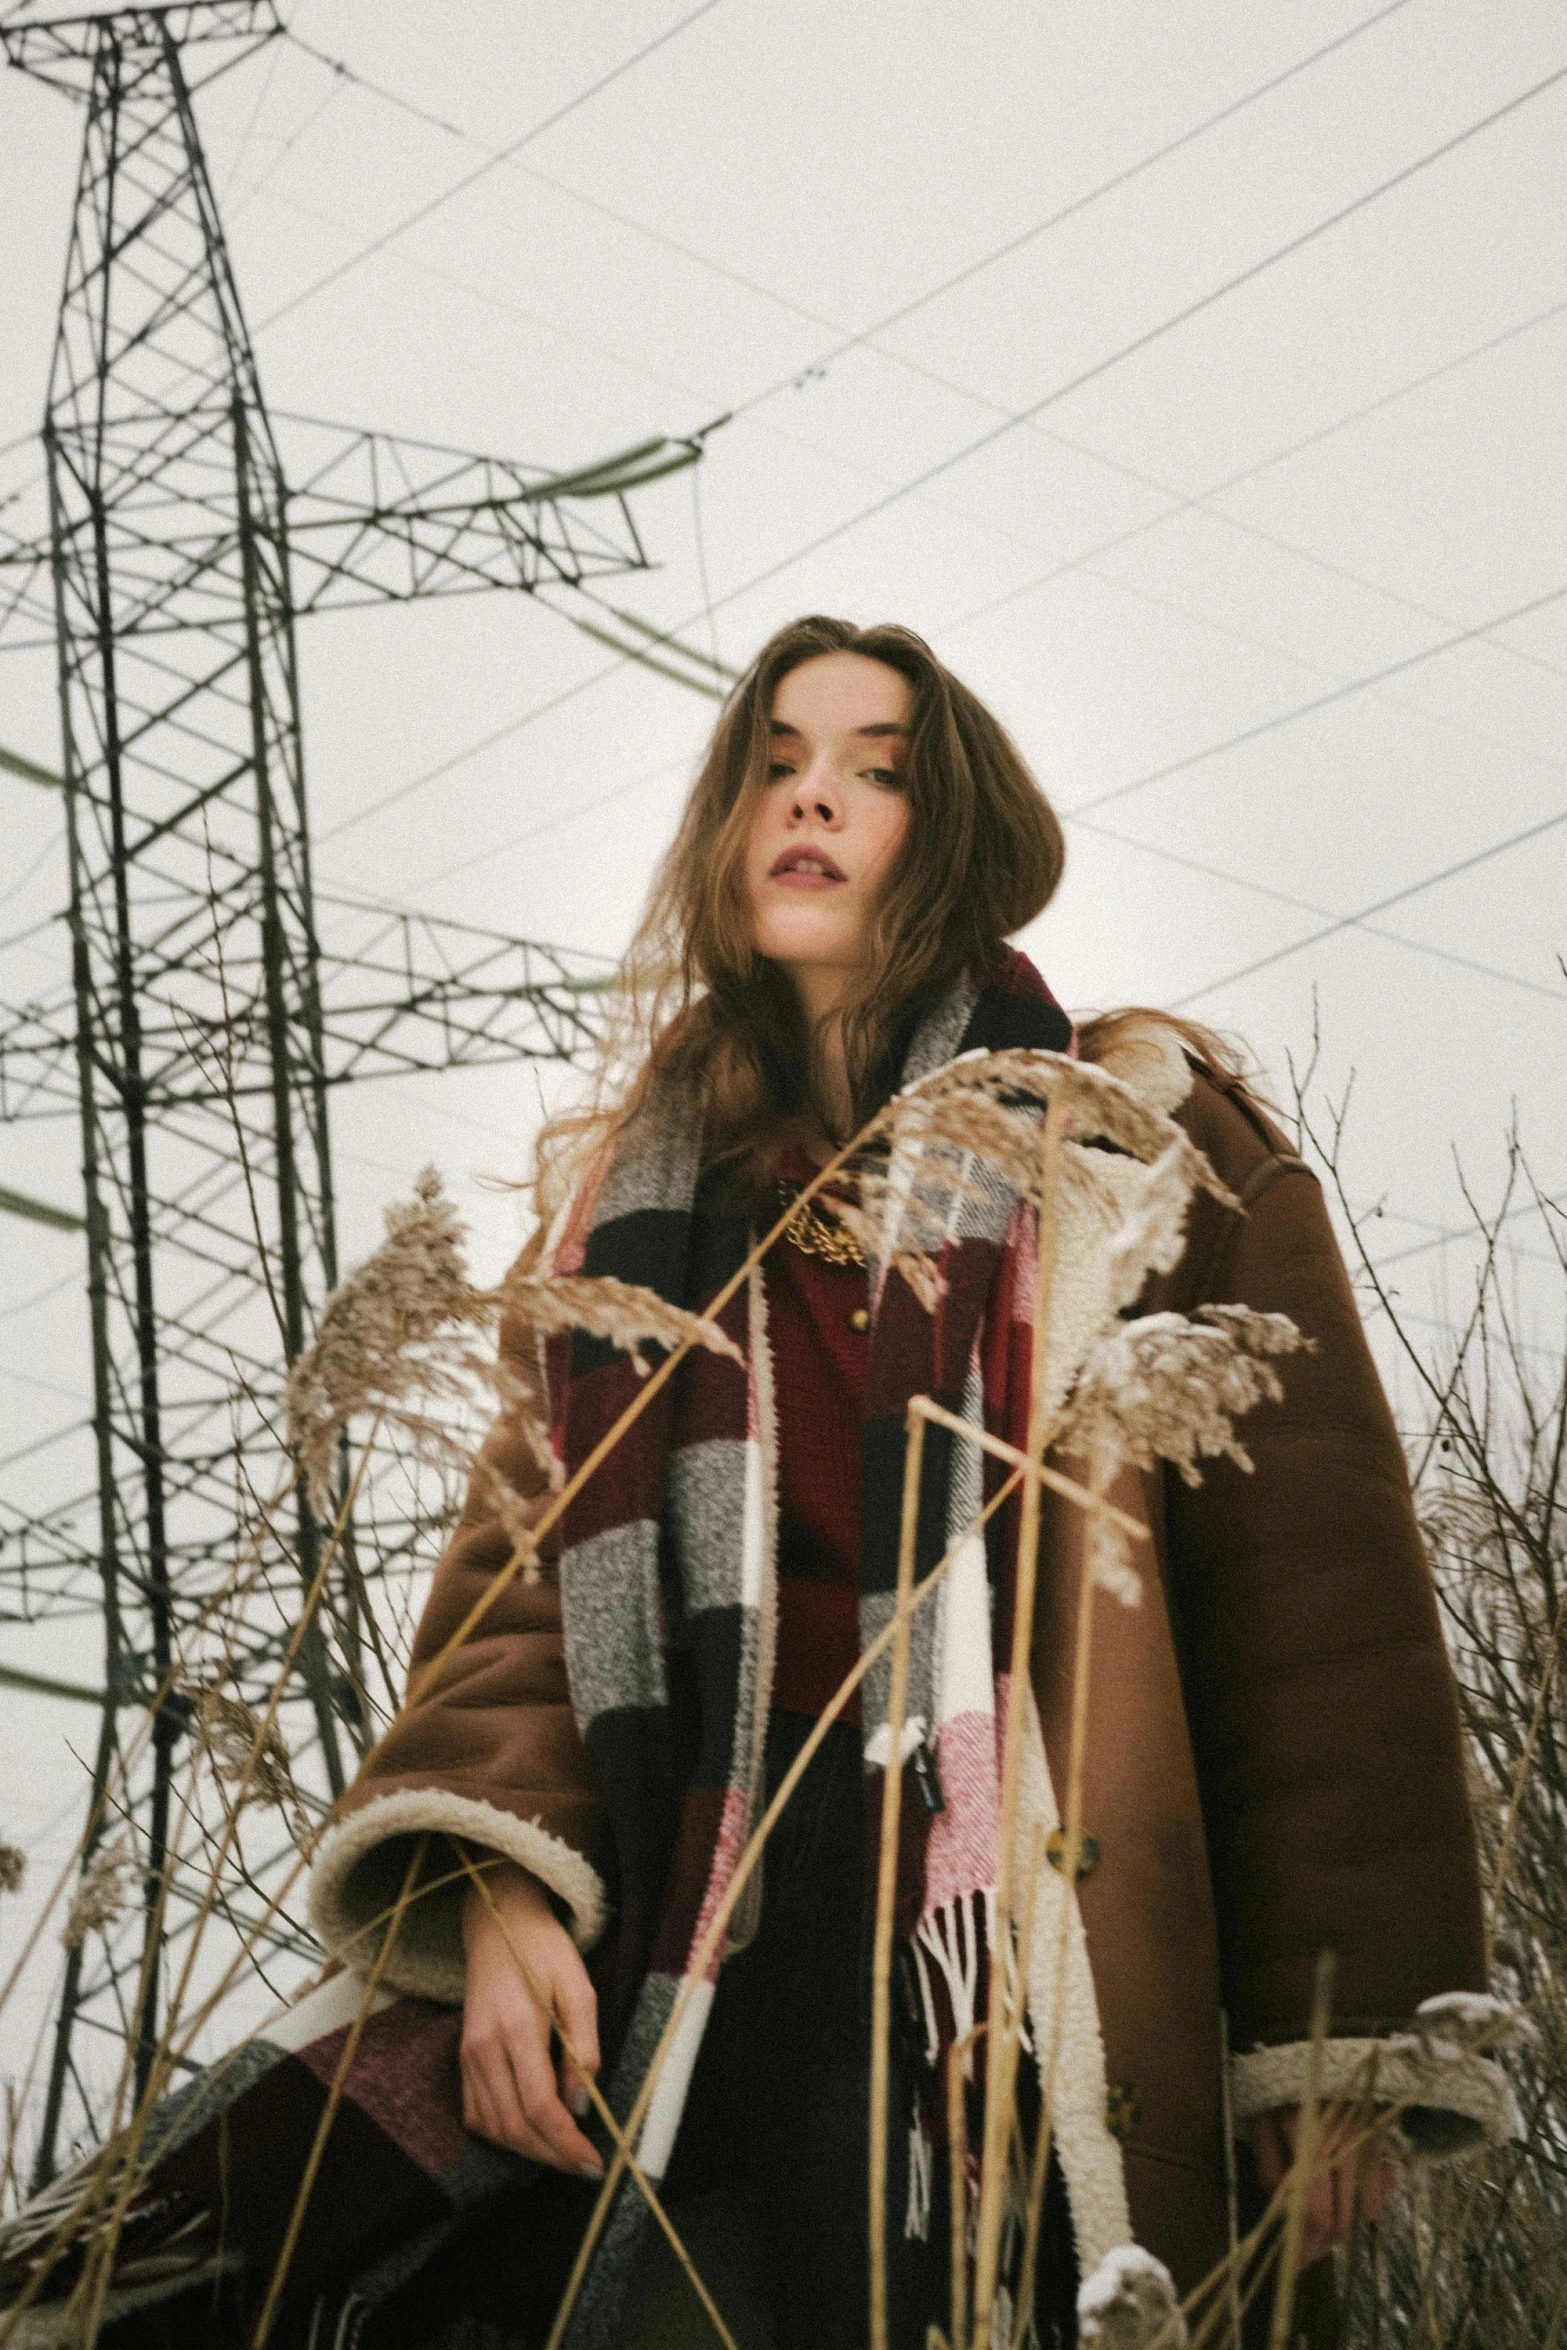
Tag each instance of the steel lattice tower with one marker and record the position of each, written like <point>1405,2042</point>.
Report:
<point>207,1024</point>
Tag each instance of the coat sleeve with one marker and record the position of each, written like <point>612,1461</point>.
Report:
<point>1322,1704</point>
<point>486,1749</point>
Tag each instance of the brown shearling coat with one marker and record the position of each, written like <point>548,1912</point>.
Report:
<point>1274,1754</point>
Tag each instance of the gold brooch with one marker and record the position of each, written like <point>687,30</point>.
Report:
<point>818,1234</point>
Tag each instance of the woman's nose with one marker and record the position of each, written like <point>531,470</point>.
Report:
<point>816,795</point>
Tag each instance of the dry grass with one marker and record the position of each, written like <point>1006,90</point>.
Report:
<point>1476,2256</point>
<point>409,1333</point>
<point>102,1895</point>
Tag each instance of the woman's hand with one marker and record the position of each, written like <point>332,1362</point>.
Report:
<point>510,2092</point>
<point>1353,2174</point>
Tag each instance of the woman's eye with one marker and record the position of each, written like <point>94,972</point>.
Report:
<point>887,777</point>
<point>777,771</point>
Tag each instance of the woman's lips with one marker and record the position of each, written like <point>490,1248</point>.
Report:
<point>808,869</point>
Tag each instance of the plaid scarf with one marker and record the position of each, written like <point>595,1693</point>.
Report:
<point>669,1598</point>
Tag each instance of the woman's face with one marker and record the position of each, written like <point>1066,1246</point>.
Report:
<point>829,821</point>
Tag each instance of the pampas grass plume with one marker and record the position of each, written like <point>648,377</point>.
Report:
<point>102,1895</point>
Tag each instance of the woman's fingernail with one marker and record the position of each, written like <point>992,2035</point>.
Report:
<point>578,2101</point>
<point>590,2170</point>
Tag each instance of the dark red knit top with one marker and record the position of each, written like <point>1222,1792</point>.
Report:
<point>820,1359</point>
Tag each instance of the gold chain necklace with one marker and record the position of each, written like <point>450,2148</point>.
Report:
<point>816,1234</point>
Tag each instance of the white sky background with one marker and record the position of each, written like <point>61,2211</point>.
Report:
<point>1231,491</point>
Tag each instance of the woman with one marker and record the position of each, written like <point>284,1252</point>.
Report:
<point>1274,1762</point>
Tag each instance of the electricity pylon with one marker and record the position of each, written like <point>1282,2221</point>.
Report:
<point>203,1029</point>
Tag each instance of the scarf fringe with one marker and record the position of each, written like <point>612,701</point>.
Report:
<point>916,2220</point>
<point>950,1951</point>
<point>954,1939</point>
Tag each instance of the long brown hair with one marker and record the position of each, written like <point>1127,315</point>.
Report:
<point>982,856</point>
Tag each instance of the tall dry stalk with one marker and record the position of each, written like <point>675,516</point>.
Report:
<point>399,1339</point>
<point>887,1876</point>
<point>1484,2265</point>
<point>1005,2007</point>
<point>111,2183</point>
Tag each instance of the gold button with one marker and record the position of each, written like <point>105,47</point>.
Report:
<point>1087,1851</point>
<point>1123,2108</point>
<point>859,1321</point>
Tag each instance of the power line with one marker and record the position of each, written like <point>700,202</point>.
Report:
<point>1449,1326</point>
<point>38,1297</point>
<point>232,213</point>
<point>1417,383</point>
<point>1076,815</point>
<point>1139,343</point>
<point>1150,848</point>
<point>18,938</point>
<point>340,69</point>
<point>472,750</point>
<point>42,1443</point>
<point>15,888</point>
<point>432,204</point>
<point>1318,702</point>
<point>855,340</point>
<point>867,337</point>
<point>573,692</point>
<point>501,306</point>
<point>932,294</point>
<point>1153,334</point>
<point>542,709</point>
<point>1279,897</point>
<point>1201,499</point>
<point>1399,897</point>
<point>578,196</point>
<point>242,147</point>
<point>645,654</point>
<point>701,564</point>
<point>1436,1233</point>
<point>45,1386</point>
<point>1438,718</point>
<point>1079,204</point>
<point>555,823</point>
<point>1450,1234</point>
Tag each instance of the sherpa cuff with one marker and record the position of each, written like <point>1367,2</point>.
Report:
<point>1447,2099</point>
<point>362,1862</point>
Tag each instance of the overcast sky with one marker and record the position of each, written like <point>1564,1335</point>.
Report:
<point>1191,377</point>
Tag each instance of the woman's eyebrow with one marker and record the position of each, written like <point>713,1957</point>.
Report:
<point>781,726</point>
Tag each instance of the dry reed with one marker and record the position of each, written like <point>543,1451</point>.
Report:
<point>887,1875</point>
<point>399,1342</point>
<point>395,1339</point>
<point>103,1895</point>
<point>1474,2256</point>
